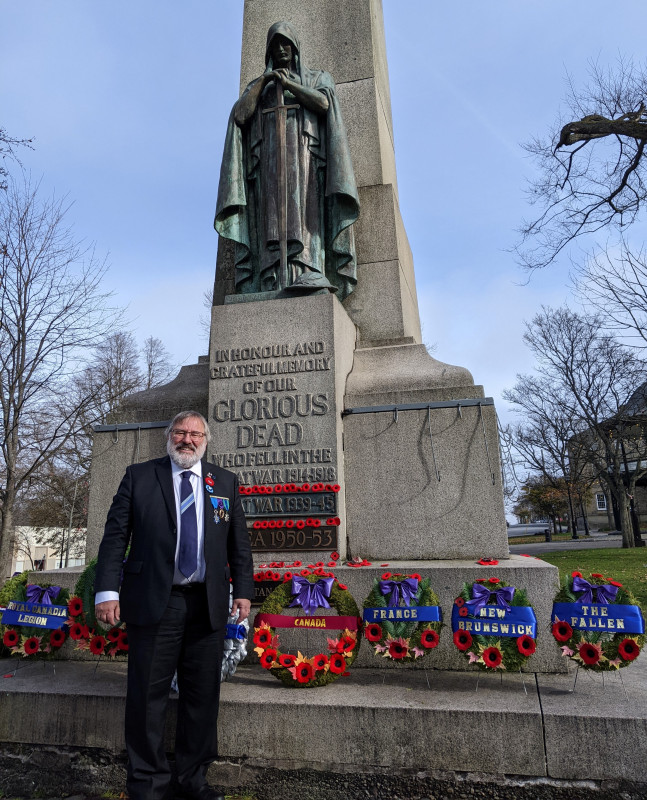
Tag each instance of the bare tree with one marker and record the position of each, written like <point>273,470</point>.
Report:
<point>592,378</point>
<point>546,439</point>
<point>592,174</point>
<point>53,312</point>
<point>613,282</point>
<point>157,363</point>
<point>8,147</point>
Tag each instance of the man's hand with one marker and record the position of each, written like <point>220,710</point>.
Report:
<point>243,606</point>
<point>108,612</point>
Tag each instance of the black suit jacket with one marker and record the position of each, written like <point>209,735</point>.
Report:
<point>143,515</point>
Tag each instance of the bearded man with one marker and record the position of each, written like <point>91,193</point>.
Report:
<point>183,520</point>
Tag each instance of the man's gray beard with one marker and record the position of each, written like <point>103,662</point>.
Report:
<point>185,460</point>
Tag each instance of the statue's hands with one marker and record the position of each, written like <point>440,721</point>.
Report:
<point>282,75</point>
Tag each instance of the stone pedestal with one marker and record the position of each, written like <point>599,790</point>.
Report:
<point>277,375</point>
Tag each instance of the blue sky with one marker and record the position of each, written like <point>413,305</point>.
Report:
<point>128,103</point>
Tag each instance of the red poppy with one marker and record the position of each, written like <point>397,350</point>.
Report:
<point>278,488</point>
<point>267,659</point>
<point>415,576</point>
<point>398,649</point>
<point>208,480</point>
<point>57,637</point>
<point>337,663</point>
<point>480,580</point>
<point>32,645</point>
<point>526,645</point>
<point>492,657</point>
<point>113,635</point>
<point>305,487</point>
<point>463,640</point>
<point>265,524</point>
<point>97,645</point>
<point>487,562</point>
<point>320,571</point>
<point>493,580</point>
<point>287,660</point>
<point>289,523</point>
<point>76,631</point>
<point>300,524</point>
<point>331,564</point>
<point>262,637</point>
<point>597,575</point>
<point>386,576</point>
<point>316,523</point>
<point>373,632</point>
<point>463,611</point>
<point>268,575</point>
<point>10,638</point>
<point>259,576</point>
<point>287,577</point>
<point>348,643</point>
<point>342,586</point>
<point>334,556</point>
<point>319,662</point>
<point>305,672</point>
<point>123,640</point>
<point>615,583</point>
<point>576,574</point>
<point>296,563</point>
<point>460,602</point>
<point>336,487</point>
<point>628,649</point>
<point>429,639</point>
<point>271,523</point>
<point>589,653</point>
<point>287,487</point>
<point>257,524</point>
<point>562,631</point>
<point>305,572</point>
<point>75,606</point>
<point>276,576</point>
<point>256,489</point>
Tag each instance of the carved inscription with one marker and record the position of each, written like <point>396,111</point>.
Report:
<point>274,417</point>
<point>290,505</point>
<point>274,540</point>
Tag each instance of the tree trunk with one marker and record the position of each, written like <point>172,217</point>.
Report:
<point>7,538</point>
<point>627,528</point>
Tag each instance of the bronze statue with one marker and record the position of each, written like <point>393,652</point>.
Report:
<point>287,193</point>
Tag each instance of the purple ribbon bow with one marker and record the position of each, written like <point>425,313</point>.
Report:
<point>481,595</point>
<point>400,590</point>
<point>606,593</point>
<point>311,596</point>
<point>42,594</point>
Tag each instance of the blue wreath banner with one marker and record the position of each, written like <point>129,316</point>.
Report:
<point>493,620</point>
<point>592,617</point>
<point>403,614</point>
<point>34,615</point>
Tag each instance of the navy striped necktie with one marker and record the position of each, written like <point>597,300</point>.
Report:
<point>188,556</point>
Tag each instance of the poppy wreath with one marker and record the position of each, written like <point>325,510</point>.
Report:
<point>33,640</point>
<point>402,617</point>
<point>494,625</point>
<point>597,622</point>
<point>310,592</point>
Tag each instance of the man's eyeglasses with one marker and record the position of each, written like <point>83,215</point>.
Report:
<point>178,433</point>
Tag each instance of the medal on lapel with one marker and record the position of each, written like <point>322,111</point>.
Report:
<point>220,509</point>
<point>208,483</point>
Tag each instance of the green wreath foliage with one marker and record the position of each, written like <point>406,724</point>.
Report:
<point>512,658</point>
<point>16,589</point>
<point>407,636</point>
<point>340,599</point>
<point>609,643</point>
<point>84,589</point>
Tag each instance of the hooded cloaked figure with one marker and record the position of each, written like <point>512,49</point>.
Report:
<point>322,200</point>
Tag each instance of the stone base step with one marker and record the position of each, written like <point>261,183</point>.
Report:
<point>424,720</point>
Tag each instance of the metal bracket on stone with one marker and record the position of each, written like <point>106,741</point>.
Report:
<point>457,404</point>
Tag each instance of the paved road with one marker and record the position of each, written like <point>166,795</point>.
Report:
<point>594,541</point>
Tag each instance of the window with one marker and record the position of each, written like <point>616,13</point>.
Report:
<point>601,500</point>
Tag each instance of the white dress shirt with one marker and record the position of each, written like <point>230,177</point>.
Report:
<point>196,485</point>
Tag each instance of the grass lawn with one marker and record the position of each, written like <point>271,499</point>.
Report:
<point>557,537</point>
<point>629,567</point>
